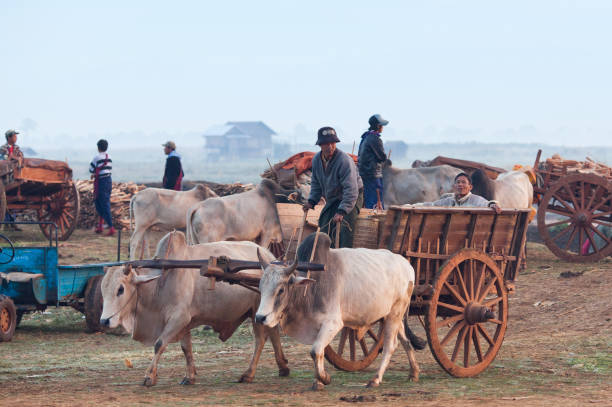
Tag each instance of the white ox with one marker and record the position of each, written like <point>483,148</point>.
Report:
<point>357,288</point>
<point>412,185</point>
<point>511,189</point>
<point>164,311</point>
<point>163,208</point>
<point>250,215</point>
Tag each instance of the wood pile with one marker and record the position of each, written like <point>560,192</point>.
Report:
<point>219,189</point>
<point>121,194</point>
<point>557,164</point>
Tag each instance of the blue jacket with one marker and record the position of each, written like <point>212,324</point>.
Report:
<point>371,155</point>
<point>339,181</point>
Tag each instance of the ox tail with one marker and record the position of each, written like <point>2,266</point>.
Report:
<point>417,342</point>
<point>189,231</point>
<point>132,213</point>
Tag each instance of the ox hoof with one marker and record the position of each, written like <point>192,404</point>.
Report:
<point>284,372</point>
<point>187,381</point>
<point>317,386</point>
<point>325,379</point>
<point>245,379</point>
<point>373,383</point>
<point>148,382</point>
<point>414,377</point>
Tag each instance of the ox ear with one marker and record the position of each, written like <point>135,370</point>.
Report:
<point>296,280</point>
<point>264,264</point>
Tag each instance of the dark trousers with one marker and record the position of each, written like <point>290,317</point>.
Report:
<point>102,199</point>
<point>347,229</point>
<point>370,197</point>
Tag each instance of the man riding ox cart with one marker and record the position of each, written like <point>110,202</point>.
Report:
<point>160,307</point>
<point>357,288</point>
<point>335,178</point>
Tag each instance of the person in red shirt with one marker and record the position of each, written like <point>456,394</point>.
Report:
<point>11,150</point>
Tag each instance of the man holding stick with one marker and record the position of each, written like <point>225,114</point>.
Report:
<point>335,178</point>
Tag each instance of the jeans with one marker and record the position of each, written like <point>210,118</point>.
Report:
<point>370,186</point>
<point>102,199</point>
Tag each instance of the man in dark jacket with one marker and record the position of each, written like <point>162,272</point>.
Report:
<point>335,177</point>
<point>173,174</point>
<point>371,159</point>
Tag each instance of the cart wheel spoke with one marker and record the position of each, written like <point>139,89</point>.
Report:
<point>352,344</point>
<point>464,289</point>
<point>477,343</point>
<point>452,332</point>
<point>451,306</point>
<point>562,202</point>
<point>343,336</point>
<point>485,334</point>
<point>466,347</point>
<point>572,195</point>
<point>571,237</point>
<point>487,288</point>
<point>592,198</point>
<point>563,231</point>
<point>449,321</point>
<point>455,293</point>
<point>458,343</point>
<point>370,345</point>
<point>364,347</point>
<point>601,235</point>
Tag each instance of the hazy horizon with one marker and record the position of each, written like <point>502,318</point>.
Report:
<point>140,72</point>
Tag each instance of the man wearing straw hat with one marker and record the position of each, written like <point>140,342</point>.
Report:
<point>335,178</point>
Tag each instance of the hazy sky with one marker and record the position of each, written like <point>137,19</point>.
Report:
<point>449,70</point>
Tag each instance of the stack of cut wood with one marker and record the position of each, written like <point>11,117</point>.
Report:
<point>121,194</point>
<point>557,164</point>
<point>219,189</point>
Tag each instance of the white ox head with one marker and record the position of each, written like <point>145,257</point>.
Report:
<point>275,284</point>
<point>119,287</point>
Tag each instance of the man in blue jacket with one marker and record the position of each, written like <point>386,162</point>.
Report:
<point>335,178</point>
<point>371,159</point>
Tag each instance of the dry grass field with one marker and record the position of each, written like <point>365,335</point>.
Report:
<point>557,352</point>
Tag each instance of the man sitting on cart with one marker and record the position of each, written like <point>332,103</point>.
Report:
<point>463,196</point>
<point>335,177</point>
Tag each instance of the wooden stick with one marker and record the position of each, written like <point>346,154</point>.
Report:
<point>389,155</point>
<point>300,234</point>
<point>312,253</point>
<point>338,225</point>
<point>353,150</point>
<point>289,244</point>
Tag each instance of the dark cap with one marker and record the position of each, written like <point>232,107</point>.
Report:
<point>377,120</point>
<point>10,133</point>
<point>170,144</point>
<point>327,135</point>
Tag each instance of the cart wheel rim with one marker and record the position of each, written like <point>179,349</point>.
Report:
<point>467,317</point>
<point>582,202</point>
<point>5,320</point>
<point>63,210</point>
<point>350,353</point>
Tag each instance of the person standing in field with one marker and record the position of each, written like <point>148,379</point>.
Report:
<point>371,159</point>
<point>100,169</point>
<point>10,150</point>
<point>173,173</point>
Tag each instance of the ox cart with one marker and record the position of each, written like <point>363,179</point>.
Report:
<point>45,186</point>
<point>31,280</point>
<point>574,207</point>
<point>465,260</point>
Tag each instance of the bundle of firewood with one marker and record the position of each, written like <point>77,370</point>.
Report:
<point>121,194</point>
<point>558,164</point>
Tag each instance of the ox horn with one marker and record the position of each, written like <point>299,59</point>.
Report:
<point>127,269</point>
<point>264,264</point>
<point>289,270</point>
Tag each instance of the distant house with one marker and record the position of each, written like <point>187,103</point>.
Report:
<point>238,140</point>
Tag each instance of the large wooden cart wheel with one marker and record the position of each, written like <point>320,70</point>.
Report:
<point>351,353</point>
<point>577,207</point>
<point>61,208</point>
<point>467,317</point>
<point>8,318</point>
<point>2,202</point>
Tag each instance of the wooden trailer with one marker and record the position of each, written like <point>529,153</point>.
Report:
<point>45,186</point>
<point>574,208</point>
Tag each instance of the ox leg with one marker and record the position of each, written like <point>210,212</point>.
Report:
<point>281,360</point>
<point>392,325</point>
<point>328,330</point>
<point>414,366</point>
<point>173,327</point>
<point>137,240</point>
<point>188,351</point>
<point>260,339</point>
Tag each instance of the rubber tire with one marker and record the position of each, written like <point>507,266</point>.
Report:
<point>93,304</point>
<point>7,304</point>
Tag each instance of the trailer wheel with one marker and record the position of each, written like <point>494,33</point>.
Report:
<point>93,304</point>
<point>8,319</point>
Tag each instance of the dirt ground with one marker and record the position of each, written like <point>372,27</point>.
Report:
<point>557,352</point>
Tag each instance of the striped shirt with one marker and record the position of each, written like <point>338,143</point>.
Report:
<point>98,162</point>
